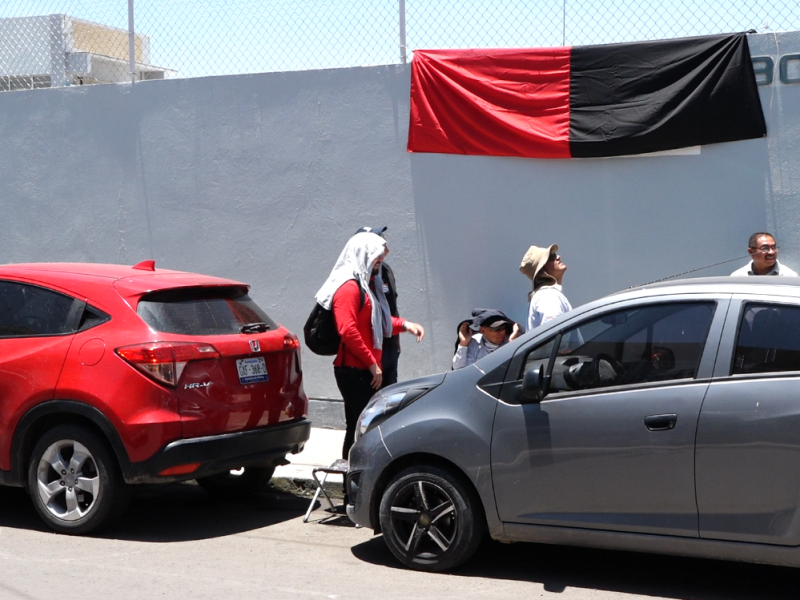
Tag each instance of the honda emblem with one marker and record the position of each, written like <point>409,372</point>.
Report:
<point>255,346</point>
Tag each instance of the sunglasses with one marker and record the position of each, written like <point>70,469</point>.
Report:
<point>552,257</point>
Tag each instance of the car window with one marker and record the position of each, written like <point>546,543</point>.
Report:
<point>201,311</point>
<point>29,310</point>
<point>768,341</point>
<point>92,317</point>
<point>540,355</point>
<point>658,342</point>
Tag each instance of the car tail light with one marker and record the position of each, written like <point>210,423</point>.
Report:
<point>291,342</point>
<point>165,361</point>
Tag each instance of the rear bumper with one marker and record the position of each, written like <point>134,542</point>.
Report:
<point>265,447</point>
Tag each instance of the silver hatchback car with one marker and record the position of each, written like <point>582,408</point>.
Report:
<point>661,419</point>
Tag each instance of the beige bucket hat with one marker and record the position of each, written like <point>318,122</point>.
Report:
<point>534,261</point>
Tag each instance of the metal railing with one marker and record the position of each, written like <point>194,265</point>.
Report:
<point>47,43</point>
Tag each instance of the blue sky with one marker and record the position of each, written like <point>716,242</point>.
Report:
<point>216,37</point>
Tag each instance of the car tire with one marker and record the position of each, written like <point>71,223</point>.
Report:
<point>74,481</point>
<point>236,483</point>
<point>431,521</point>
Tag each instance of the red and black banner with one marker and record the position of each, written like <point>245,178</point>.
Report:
<point>588,101</point>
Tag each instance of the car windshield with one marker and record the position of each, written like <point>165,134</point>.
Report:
<point>202,311</point>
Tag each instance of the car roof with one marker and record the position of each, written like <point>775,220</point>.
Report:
<point>130,281</point>
<point>788,287</point>
<point>770,285</point>
<point>92,269</point>
<point>742,284</point>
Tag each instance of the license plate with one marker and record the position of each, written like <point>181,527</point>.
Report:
<point>252,370</point>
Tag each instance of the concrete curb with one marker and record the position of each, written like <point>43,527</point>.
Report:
<point>327,413</point>
<point>324,446</point>
<point>306,488</point>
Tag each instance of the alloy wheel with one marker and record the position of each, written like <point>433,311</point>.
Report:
<point>424,519</point>
<point>68,481</point>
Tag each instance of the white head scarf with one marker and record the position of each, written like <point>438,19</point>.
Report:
<point>355,262</point>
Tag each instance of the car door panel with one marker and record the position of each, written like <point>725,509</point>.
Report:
<point>618,458</point>
<point>35,334</point>
<point>748,461</point>
<point>590,461</point>
<point>748,444</point>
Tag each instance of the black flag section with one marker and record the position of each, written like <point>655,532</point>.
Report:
<point>652,96</point>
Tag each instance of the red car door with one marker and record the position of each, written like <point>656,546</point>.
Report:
<point>36,330</point>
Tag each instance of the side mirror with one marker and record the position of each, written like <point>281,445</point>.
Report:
<point>533,385</point>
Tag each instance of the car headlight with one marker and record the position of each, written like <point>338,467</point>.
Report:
<point>385,404</point>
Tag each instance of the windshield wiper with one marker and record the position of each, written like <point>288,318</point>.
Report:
<point>254,328</point>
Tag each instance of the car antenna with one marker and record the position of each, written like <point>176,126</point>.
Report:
<point>691,271</point>
<point>145,265</point>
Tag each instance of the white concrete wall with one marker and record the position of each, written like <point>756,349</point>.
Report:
<point>262,178</point>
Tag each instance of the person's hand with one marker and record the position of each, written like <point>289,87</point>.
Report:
<point>415,329</point>
<point>515,332</point>
<point>377,376</point>
<point>464,334</point>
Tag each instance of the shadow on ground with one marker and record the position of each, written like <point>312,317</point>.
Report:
<point>172,513</point>
<point>558,568</point>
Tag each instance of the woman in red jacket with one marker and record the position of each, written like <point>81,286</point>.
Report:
<point>363,320</point>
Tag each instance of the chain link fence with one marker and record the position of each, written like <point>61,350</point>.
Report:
<point>48,43</point>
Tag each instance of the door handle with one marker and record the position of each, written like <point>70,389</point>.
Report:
<point>660,422</point>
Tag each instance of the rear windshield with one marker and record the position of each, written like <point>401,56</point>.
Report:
<point>202,311</point>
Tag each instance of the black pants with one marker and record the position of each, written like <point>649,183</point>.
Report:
<point>391,354</point>
<point>354,385</point>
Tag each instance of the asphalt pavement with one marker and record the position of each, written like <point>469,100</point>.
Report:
<point>177,541</point>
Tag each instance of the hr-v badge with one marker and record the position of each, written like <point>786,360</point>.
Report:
<point>255,346</point>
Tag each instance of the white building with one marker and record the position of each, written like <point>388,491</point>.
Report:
<point>58,50</point>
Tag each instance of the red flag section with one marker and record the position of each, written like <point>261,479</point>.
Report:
<point>491,102</point>
<point>588,101</point>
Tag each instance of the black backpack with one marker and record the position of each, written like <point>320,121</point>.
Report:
<point>320,331</point>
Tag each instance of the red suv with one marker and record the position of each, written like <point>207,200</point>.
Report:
<point>113,375</point>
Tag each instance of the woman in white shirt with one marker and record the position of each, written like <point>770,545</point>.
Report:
<point>543,266</point>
